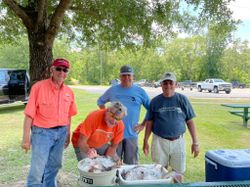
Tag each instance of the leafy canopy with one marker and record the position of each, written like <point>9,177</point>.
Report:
<point>114,23</point>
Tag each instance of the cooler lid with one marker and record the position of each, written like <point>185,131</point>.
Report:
<point>230,157</point>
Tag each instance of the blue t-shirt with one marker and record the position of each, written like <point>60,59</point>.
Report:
<point>132,97</point>
<point>169,115</point>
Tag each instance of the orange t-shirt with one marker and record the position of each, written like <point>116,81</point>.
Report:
<point>95,128</point>
<point>50,107</point>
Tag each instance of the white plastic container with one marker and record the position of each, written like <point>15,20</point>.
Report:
<point>125,168</point>
<point>106,178</point>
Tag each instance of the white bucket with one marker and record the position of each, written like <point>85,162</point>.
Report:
<point>106,178</point>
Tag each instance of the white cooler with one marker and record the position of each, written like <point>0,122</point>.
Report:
<point>125,168</point>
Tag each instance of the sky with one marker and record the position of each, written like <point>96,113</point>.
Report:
<point>241,9</point>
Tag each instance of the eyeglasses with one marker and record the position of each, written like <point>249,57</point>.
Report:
<point>65,70</point>
<point>112,115</point>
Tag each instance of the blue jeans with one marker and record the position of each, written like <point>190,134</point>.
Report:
<point>47,151</point>
<point>128,150</point>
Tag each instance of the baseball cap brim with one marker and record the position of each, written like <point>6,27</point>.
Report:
<point>170,79</point>
<point>126,73</point>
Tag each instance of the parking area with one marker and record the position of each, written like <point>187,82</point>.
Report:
<point>236,93</point>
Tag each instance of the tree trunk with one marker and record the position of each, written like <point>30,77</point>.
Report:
<point>40,57</point>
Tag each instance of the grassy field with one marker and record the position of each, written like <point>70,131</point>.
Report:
<point>217,129</point>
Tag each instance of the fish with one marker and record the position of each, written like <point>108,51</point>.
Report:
<point>144,172</point>
<point>97,164</point>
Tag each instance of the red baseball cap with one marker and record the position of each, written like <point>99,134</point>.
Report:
<point>61,62</point>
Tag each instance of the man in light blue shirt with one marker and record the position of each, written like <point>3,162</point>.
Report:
<point>133,97</point>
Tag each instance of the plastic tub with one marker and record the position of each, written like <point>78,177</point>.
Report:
<point>125,168</point>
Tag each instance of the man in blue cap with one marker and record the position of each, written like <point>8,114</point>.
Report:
<point>132,97</point>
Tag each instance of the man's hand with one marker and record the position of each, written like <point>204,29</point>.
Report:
<point>26,146</point>
<point>195,149</point>
<point>91,153</point>
<point>138,128</point>
<point>67,141</point>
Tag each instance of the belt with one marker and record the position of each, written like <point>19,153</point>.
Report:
<point>172,138</point>
<point>57,127</point>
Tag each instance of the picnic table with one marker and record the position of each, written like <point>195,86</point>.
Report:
<point>242,111</point>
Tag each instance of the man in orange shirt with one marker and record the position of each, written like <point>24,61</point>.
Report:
<point>100,133</point>
<point>48,116</point>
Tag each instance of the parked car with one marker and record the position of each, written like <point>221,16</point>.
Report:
<point>115,82</point>
<point>157,84</point>
<point>215,85</point>
<point>187,84</point>
<point>141,82</point>
<point>238,84</point>
<point>14,85</point>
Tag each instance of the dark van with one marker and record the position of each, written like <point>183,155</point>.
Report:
<point>14,85</point>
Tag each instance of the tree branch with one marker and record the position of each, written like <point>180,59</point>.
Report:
<point>19,12</point>
<point>56,20</point>
<point>40,13</point>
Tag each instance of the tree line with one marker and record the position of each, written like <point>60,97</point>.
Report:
<point>193,58</point>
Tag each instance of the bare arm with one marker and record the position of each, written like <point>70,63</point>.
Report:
<point>148,130</point>
<point>195,146</point>
<point>111,150</point>
<point>138,128</point>
<point>26,133</point>
<point>84,147</point>
<point>67,141</point>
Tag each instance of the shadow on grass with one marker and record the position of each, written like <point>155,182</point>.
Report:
<point>11,108</point>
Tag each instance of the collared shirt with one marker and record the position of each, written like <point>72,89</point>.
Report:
<point>49,106</point>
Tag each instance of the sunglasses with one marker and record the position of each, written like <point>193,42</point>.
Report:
<point>112,115</point>
<point>65,70</point>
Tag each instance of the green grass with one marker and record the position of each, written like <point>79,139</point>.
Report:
<point>216,127</point>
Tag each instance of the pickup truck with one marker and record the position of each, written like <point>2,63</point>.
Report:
<point>187,84</point>
<point>238,84</point>
<point>14,85</point>
<point>215,85</point>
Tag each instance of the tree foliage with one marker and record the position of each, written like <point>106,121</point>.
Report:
<point>186,57</point>
<point>96,22</point>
